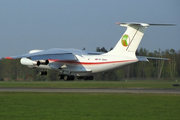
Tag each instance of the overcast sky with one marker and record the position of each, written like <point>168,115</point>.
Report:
<point>45,24</point>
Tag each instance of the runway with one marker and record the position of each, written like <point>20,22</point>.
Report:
<point>92,90</point>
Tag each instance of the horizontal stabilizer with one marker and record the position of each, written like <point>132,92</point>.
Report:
<point>144,58</point>
<point>156,58</point>
<point>143,24</point>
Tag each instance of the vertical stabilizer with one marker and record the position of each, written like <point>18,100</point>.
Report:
<point>130,40</point>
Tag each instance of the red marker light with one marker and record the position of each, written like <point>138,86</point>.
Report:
<point>8,57</point>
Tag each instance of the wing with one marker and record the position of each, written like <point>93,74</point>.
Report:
<point>95,53</point>
<point>54,54</point>
<point>144,58</point>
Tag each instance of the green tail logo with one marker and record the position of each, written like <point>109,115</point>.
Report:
<point>125,40</point>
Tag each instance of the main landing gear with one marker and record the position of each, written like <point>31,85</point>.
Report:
<point>43,73</point>
<point>71,77</point>
<point>85,77</point>
<point>66,77</point>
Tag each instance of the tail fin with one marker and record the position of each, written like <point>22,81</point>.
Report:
<point>130,40</point>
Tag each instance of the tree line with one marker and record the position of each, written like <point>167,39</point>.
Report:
<point>154,69</point>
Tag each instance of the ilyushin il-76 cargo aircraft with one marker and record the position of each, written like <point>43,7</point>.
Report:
<point>81,64</point>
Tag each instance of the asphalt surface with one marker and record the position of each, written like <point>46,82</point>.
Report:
<point>92,90</point>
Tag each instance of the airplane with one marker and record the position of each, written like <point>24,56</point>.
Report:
<point>81,64</point>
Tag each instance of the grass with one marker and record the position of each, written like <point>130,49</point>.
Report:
<point>94,84</point>
<point>89,106</point>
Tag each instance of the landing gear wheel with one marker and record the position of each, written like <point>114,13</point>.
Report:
<point>71,78</point>
<point>85,77</point>
<point>43,73</point>
<point>61,77</point>
<point>66,77</point>
<point>91,77</point>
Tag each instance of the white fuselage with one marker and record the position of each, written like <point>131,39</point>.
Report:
<point>90,64</point>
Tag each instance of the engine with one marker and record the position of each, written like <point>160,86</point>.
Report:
<point>28,62</point>
<point>34,51</point>
<point>31,63</point>
<point>42,62</point>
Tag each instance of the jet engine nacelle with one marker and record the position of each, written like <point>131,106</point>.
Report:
<point>28,62</point>
<point>31,63</point>
<point>34,51</point>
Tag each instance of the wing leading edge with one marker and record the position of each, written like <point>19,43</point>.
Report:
<point>55,54</point>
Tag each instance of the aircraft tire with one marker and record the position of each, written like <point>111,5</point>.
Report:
<point>88,78</point>
<point>79,77</point>
<point>91,77</point>
<point>66,77</point>
<point>43,73</point>
<point>61,76</point>
<point>71,77</point>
